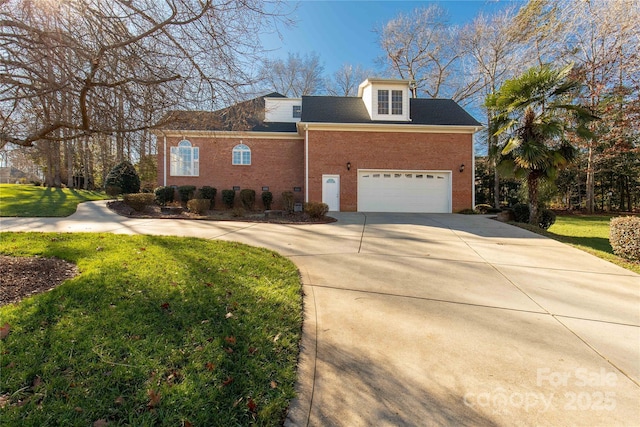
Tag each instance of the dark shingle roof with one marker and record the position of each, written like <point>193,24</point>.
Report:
<point>333,109</point>
<point>244,116</point>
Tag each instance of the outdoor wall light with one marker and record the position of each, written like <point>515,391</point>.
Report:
<point>348,166</point>
<point>462,167</point>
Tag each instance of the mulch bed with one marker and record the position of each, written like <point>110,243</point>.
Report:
<point>121,208</point>
<point>21,277</point>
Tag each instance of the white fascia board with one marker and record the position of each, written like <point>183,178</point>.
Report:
<point>392,127</point>
<point>229,134</point>
<point>368,82</point>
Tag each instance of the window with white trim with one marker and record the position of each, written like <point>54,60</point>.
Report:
<point>241,155</point>
<point>396,102</point>
<point>383,102</point>
<point>184,159</point>
<point>297,111</point>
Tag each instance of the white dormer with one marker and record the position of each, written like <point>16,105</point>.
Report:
<point>386,99</point>
<point>282,110</point>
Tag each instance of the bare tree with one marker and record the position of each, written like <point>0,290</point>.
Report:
<point>602,39</point>
<point>493,54</point>
<point>422,47</point>
<point>71,70</point>
<point>296,76</point>
<point>346,80</point>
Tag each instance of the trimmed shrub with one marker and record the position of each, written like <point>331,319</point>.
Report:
<point>248,198</point>
<point>112,191</point>
<point>624,236</point>
<point>288,201</point>
<point>164,195</point>
<point>267,199</point>
<point>123,175</point>
<point>139,201</point>
<point>228,198</point>
<point>316,210</point>
<point>237,212</point>
<point>199,206</point>
<point>521,212</point>
<point>207,192</point>
<point>547,219</point>
<point>186,192</point>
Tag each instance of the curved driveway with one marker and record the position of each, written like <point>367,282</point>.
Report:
<point>436,319</point>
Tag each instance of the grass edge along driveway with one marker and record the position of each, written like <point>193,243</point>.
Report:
<point>154,331</point>
<point>589,233</point>
<point>34,201</point>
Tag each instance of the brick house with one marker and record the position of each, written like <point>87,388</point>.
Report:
<point>381,151</point>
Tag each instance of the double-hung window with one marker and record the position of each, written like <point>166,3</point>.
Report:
<point>297,111</point>
<point>241,155</point>
<point>383,102</point>
<point>396,102</point>
<point>185,159</point>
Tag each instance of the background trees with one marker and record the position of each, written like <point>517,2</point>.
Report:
<point>84,77</point>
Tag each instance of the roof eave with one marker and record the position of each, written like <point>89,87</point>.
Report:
<point>390,127</point>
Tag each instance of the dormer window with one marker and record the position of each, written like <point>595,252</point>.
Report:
<point>297,111</point>
<point>396,102</point>
<point>383,102</point>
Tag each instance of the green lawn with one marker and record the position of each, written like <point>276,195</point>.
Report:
<point>154,331</point>
<point>589,233</point>
<point>33,201</point>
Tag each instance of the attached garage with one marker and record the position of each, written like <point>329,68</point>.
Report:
<point>404,191</point>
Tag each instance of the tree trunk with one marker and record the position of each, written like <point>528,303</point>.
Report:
<point>590,182</point>
<point>532,185</point>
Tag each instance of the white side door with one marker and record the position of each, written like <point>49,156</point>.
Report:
<point>331,191</point>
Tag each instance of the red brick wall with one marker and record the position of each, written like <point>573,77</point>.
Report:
<point>329,152</point>
<point>277,164</point>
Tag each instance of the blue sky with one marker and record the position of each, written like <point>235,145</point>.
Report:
<point>342,31</point>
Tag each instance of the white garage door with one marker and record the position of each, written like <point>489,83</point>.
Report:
<point>404,191</point>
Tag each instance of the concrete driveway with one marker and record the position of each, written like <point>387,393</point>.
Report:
<point>416,319</point>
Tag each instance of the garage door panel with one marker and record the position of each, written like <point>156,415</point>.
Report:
<point>398,191</point>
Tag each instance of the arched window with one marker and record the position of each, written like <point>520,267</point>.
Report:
<point>185,159</point>
<point>241,155</point>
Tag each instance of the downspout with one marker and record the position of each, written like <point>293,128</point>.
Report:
<point>473,171</point>
<point>306,163</point>
<point>164,163</point>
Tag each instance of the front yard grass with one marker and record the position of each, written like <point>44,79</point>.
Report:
<point>35,201</point>
<point>589,233</point>
<point>154,331</point>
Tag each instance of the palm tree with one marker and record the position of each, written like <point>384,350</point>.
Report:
<point>533,117</point>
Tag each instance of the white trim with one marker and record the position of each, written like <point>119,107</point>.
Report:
<point>306,164</point>
<point>231,134</point>
<point>393,127</point>
<point>473,174</point>
<point>164,178</point>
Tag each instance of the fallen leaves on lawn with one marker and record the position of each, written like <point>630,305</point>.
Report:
<point>100,423</point>
<point>228,381</point>
<point>231,340</point>
<point>210,366</point>
<point>273,384</point>
<point>4,331</point>
<point>251,404</point>
<point>154,398</point>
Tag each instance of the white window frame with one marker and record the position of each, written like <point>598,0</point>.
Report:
<point>184,159</point>
<point>296,111</point>
<point>396,110</point>
<point>241,155</point>
<point>382,109</point>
